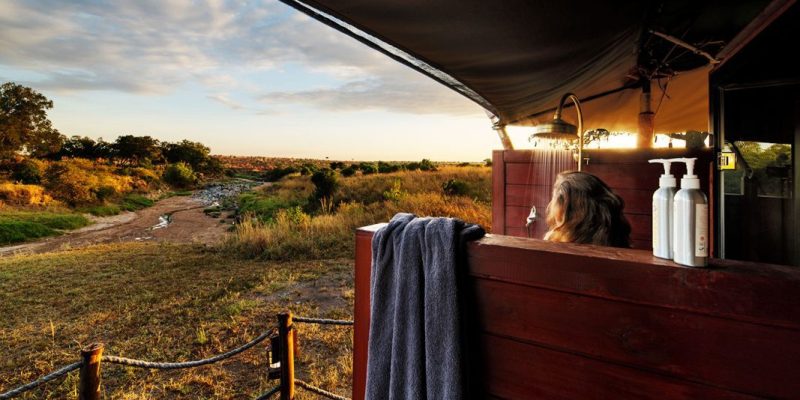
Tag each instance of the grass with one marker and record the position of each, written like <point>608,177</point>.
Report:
<point>166,303</point>
<point>20,226</point>
<point>281,230</point>
<point>131,202</point>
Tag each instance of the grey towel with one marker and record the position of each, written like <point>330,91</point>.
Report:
<point>415,340</point>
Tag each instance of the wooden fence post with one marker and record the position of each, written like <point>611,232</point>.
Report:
<point>89,386</point>
<point>286,337</point>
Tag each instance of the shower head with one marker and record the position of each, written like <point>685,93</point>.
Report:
<point>563,130</point>
<point>555,129</point>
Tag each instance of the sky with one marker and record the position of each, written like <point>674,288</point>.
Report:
<point>243,77</point>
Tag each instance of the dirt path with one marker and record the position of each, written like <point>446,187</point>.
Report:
<point>188,224</point>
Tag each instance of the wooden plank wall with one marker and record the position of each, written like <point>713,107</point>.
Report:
<point>567,321</point>
<point>520,181</point>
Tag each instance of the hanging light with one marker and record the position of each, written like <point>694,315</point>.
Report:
<point>562,130</point>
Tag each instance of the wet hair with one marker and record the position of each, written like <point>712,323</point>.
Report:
<point>583,209</point>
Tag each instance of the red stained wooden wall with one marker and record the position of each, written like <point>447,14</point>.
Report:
<point>519,183</point>
<point>568,321</point>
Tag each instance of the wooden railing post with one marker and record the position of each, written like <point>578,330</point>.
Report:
<point>286,335</point>
<point>89,385</point>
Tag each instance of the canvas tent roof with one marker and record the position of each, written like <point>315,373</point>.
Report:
<point>516,58</point>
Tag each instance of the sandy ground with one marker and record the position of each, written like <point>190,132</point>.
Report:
<point>188,225</point>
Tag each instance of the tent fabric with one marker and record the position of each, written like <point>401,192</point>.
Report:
<point>517,58</point>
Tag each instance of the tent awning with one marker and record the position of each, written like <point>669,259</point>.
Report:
<point>517,58</point>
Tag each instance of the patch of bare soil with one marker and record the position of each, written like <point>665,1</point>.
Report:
<point>188,224</point>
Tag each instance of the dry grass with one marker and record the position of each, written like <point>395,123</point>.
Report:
<point>167,303</point>
<point>370,188</point>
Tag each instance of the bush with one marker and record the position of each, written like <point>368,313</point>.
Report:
<point>427,165</point>
<point>79,181</point>
<point>394,193</point>
<point>105,192</point>
<point>412,166</point>
<point>276,174</point>
<point>368,168</point>
<point>349,171</point>
<point>27,171</point>
<point>455,187</point>
<point>325,183</point>
<point>487,162</point>
<point>179,175</point>
<point>23,195</point>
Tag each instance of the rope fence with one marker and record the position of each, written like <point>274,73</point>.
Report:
<point>282,343</point>
<point>323,321</point>
<point>47,378</point>
<point>187,364</point>
<point>321,392</point>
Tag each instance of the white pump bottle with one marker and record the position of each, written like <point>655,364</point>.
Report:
<point>663,217</point>
<point>690,235</point>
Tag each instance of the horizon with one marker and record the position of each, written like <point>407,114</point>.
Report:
<point>258,79</point>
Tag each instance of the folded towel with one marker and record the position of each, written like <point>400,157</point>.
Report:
<point>415,340</point>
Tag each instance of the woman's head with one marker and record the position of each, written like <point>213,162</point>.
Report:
<point>585,210</point>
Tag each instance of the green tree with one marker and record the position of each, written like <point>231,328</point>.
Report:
<point>137,150</point>
<point>85,147</point>
<point>195,154</point>
<point>325,183</point>
<point>180,175</point>
<point>24,125</point>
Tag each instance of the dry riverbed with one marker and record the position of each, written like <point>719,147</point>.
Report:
<point>187,223</point>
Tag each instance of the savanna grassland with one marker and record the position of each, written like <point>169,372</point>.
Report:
<point>291,247</point>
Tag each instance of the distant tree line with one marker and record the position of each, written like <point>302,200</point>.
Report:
<point>26,129</point>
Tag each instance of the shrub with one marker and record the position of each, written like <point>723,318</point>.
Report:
<point>325,183</point>
<point>412,166</point>
<point>394,193</point>
<point>105,192</point>
<point>487,162</point>
<point>368,168</point>
<point>427,165</point>
<point>79,181</point>
<point>276,174</point>
<point>179,175</point>
<point>337,165</point>
<point>349,171</point>
<point>23,195</point>
<point>385,168</point>
<point>455,187</point>
<point>27,171</point>
<point>308,169</point>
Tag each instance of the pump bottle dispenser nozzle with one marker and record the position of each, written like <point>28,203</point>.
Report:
<point>667,179</point>
<point>690,180</point>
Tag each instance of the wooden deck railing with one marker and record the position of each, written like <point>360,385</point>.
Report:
<point>576,321</point>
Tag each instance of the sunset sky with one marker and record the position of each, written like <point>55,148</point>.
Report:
<point>245,78</point>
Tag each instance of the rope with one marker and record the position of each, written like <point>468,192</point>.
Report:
<point>322,321</point>
<point>269,394</point>
<point>319,391</point>
<point>188,364</point>
<point>47,378</point>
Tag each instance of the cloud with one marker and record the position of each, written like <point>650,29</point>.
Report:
<point>378,94</point>
<point>224,100</point>
<point>155,47</point>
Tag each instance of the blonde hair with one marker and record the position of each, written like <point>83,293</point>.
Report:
<point>583,209</point>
